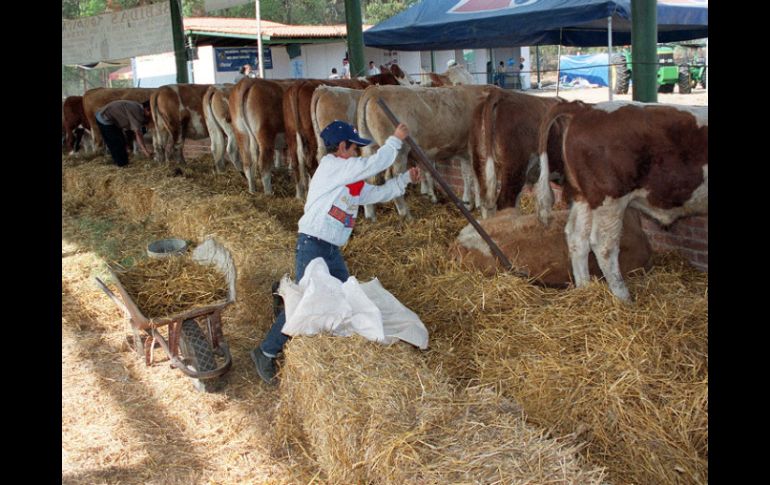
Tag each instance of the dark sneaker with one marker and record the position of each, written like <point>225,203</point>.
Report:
<point>265,366</point>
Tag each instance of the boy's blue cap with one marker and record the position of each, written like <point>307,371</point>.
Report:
<point>338,131</point>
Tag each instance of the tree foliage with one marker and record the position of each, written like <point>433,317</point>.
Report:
<point>296,12</point>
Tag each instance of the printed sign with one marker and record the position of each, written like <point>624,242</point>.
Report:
<point>117,35</point>
<point>232,58</point>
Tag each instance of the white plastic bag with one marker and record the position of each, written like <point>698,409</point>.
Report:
<point>321,303</point>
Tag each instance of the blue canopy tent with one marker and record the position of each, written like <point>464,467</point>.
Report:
<point>468,24</point>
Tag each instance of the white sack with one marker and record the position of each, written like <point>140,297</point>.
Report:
<point>322,303</point>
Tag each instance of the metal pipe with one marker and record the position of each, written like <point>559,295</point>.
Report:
<point>260,53</point>
<point>355,39</point>
<point>609,55</point>
<point>644,37</point>
<point>177,34</point>
<point>423,159</point>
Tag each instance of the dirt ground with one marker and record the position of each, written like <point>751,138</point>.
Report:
<point>698,97</point>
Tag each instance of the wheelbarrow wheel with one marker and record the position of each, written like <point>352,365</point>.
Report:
<point>197,353</point>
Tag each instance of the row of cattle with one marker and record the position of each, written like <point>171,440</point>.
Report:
<point>609,155</point>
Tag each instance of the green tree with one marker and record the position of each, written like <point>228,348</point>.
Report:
<point>375,11</point>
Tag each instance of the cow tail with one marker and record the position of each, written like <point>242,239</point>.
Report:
<point>544,198</point>
<point>363,128</point>
<point>215,131</point>
<point>157,120</point>
<point>302,160</point>
<point>251,133</point>
<point>321,150</point>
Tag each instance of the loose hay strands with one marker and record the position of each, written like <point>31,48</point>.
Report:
<point>368,413</point>
<point>162,287</point>
<point>632,380</point>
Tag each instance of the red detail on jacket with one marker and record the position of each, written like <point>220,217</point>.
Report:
<point>355,188</point>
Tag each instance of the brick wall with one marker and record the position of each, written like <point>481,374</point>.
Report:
<point>688,236</point>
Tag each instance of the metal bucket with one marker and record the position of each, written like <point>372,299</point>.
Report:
<point>165,248</point>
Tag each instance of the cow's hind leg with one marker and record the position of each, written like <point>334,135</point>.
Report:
<point>606,229</point>
<point>266,161</point>
<point>399,167</point>
<point>369,211</point>
<point>578,230</point>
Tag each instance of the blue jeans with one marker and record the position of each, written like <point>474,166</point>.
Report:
<point>308,248</point>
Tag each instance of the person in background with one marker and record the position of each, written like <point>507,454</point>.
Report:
<point>334,74</point>
<point>336,191</point>
<point>373,70</point>
<point>245,71</point>
<point>115,118</point>
<point>345,74</point>
<point>523,74</point>
<point>500,76</point>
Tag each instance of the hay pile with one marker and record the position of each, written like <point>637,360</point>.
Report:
<point>368,413</point>
<point>631,380</point>
<point>162,287</point>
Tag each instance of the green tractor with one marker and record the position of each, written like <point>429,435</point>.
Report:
<point>692,73</point>
<point>686,76</point>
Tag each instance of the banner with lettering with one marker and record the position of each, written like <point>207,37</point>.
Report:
<point>117,35</point>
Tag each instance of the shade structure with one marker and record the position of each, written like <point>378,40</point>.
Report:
<point>471,24</point>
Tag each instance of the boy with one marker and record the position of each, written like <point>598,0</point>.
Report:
<point>335,192</point>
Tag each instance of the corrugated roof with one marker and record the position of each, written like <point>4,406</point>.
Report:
<point>248,27</point>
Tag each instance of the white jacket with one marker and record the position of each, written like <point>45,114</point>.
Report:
<point>338,188</point>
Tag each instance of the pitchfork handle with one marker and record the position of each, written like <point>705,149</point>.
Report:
<point>429,167</point>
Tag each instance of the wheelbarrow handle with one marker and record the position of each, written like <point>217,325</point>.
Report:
<point>114,297</point>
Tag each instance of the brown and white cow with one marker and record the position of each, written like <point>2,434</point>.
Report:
<point>439,121</point>
<point>256,111</point>
<point>216,113</point>
<point>504,145</point>
<point>652,157</point>
<point>454,76</point>
<point>177,111</point>
<point>74,122</point>
<point>95,99</point>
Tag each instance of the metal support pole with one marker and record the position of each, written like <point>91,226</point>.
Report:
<point>537,53</point>
<point>609,55</point>
<point>260,52</point>
<point>177,33</point>
<point>644,36</point>
<point>423,159</point>
<point>355,38</point>
<point>558,65</point>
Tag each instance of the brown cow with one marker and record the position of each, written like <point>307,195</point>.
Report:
<point>74,122</point>
<point>503,140</point>
<point>216,113</point>
<point>300,137</point>
<point>256,111</point>
<point>96,98</point>
<point>652,157</point>
<point>439,120</point>
<point>541,252</point>
<point>177,111</point>
<point>330,103</point>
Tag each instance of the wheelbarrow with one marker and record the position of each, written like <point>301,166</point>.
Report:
<point>195,337</point>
